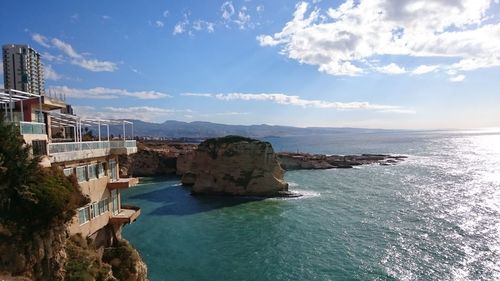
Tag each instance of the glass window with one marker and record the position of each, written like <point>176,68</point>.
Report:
<point>83,215</point>
<point>92,171</point>
<point>96,209</point>
<point>113,170</point>
<point>114,198</point>
<point>100,169</point>
<point>81,173</point>
<point>68,172</point>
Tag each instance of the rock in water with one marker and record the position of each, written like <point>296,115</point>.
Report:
<point>234,165</point>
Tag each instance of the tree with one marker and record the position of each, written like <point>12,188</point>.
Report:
<point>31,197</point>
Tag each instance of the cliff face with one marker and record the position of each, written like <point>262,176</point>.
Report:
<point>41,256</point>
<point>235,166</point>
<point>146,163</point>
<point>155,158</point>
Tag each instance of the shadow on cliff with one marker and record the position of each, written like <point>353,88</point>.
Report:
<point>178,201</point>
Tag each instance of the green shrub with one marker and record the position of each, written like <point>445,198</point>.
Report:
<point>84,263</point>
<point>32,197</point>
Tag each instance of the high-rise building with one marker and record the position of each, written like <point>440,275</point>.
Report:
<point>23,69</point>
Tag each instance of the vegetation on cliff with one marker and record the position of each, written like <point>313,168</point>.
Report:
<point>31,198</point>
<point>84,262</point>
<point>125,261</point>
<point>213,145</point>
<point>35,204</point>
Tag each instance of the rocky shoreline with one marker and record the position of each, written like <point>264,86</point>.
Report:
<point>306,161</point>
<point>158,158</point>
<point>236,166</point>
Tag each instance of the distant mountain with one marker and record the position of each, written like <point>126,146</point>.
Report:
<point>200,130</point>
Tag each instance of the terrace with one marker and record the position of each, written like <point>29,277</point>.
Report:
<point>127,214</point>
<point>61,136</point>
<point>71,144</point>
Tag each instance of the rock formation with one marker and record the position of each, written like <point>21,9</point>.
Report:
<point>155,158</point>
<point>301,161</point>
<point>235,165</point>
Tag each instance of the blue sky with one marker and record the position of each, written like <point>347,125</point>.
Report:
<point>378,64</point>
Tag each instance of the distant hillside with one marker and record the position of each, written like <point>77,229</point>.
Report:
<point>199,129</point>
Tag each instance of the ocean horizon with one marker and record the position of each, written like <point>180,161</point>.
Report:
<point>434,216</point>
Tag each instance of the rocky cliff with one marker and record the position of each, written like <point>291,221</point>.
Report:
<point>235,165</point>
<point>156,158</point>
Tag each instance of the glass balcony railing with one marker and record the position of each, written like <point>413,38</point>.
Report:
<point>89,145</point>
<point>123,143</point>
<point>77,146</point>
<point>32,128</point>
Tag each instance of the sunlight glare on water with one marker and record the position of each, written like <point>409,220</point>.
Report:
<point>435,216</point>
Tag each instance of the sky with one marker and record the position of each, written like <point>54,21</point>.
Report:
<point>407,64</point>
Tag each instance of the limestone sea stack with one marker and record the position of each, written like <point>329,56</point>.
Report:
<point>235,165</point>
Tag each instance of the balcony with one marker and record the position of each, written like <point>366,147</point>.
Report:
<point>70,151</point>
<point>127,214</point>
<point>32,128</point>
<point>123,183</point>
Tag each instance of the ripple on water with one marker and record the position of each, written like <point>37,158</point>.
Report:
<point>435,216</point>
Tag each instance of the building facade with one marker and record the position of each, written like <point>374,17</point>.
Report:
<point>57,138</point>
<point>23,69</point>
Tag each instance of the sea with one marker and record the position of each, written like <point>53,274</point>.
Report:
<point>435,216</point>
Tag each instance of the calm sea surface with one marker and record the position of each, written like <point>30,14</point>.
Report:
<point>435,216</point>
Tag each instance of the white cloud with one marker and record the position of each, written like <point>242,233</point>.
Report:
<point>458,78</point>
<point>228,113</point>
<point>159,24</point>
<point>259,9</point>
<point>145,113</point>
<point>77,58</point>
<point>107,93</point>
<point>200,25</point>
<point>227,10</point>
<point>52,58</point>
<point>340,40</point>
<point>50,73</point>
<point>196,95</point>
<point>40,39</point>
<point>283,99</point>
<point>470,64</point>
<point>242,18</point>
<point>179,28</point>
<point>165,13</point>
<point>423,69</point>
<point>391,68</point>
<point>105,17</point>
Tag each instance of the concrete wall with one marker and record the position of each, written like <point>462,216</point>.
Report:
<point>96,190</point>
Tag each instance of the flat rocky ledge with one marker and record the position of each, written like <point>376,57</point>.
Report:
<point>305,161</point>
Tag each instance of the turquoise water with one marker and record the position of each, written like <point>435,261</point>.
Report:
<point>435,216</point>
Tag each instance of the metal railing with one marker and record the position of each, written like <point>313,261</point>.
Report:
<point>32,128</point>
<point>89,145</point>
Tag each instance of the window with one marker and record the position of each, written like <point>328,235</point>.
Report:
<point>100,170</point>
<point>81,173</point>
<point>114,198</point>
<point>95,209</point>
<point>68,172</point>
<point>103,206</point>
<point>83,215</point>
<point>39,147</point>
<point>113,170</point>
<point>92,171</point>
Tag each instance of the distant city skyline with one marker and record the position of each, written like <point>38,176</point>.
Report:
<point>372,64</point>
